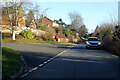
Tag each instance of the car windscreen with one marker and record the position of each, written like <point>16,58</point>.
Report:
<point>92,39</point>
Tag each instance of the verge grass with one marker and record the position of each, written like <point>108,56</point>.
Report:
<point>11,62</point>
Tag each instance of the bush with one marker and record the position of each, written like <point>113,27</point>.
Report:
<point>42,27</point>
<point>28,34</point>
<point>6,35</point>
<point>111,44</point>
<point>38,38</point>
<point>47,37</point>
<point>50,34</point>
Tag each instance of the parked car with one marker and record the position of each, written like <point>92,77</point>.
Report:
<point>93,42</point>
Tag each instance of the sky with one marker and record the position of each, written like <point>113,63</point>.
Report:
<point>93,13</point>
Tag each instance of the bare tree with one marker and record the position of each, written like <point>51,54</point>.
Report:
<point>15,12</point>
<point>38,12</point>
<point>76,20</point>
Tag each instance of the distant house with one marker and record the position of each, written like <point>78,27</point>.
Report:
<point>46,21</point>
<point>5,17</point>
<point>61,38</point>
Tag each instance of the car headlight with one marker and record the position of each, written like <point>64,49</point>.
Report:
<point>87,43</point>
<point>99,43</point>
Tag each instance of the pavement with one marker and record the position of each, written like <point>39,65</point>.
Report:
<point>76,63</point>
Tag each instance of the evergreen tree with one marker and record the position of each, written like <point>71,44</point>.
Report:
<point>83,31</point>
<point>30,17</point>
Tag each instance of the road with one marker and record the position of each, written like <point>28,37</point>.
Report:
<point>35,54</point>
<point>78,63</point>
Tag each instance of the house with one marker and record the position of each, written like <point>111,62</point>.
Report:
<point>46,21</point>
<point>61,38</point>
<point>5,17</point>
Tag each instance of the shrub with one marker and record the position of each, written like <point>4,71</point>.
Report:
<point>6,35</point>
<point>49,36</point>
<point>42,27</point>
<point>28,34</point>
<point>38,38</point>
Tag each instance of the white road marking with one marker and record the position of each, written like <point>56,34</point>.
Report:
<point>40,65</point>
<point>35,68</point>
<point>25,75</point>
<point>46,62</point>
<point>30,70</point>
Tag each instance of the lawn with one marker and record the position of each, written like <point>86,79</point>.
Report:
<point>25,40</point>
<point>11,62</point>
<point>21,39</point>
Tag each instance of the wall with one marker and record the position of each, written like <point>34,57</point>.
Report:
<point>63,39</point>
<point>47,21</point>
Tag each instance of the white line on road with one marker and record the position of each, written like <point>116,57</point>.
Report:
<point>48,60</point>
<point>24,75</point>
<point>40,65</point>
<point>35,68</point>
<point>30,70</point>
<point>45,62</point>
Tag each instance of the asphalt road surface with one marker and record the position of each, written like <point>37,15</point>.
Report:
<point>75,63</point>
<point>35,54</point>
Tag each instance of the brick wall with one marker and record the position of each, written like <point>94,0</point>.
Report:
<point>47,21</point>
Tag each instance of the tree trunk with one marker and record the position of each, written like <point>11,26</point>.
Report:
<point>13,35</point>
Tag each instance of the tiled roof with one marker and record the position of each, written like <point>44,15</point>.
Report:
<point>61,36</point>
<point>48,18</point>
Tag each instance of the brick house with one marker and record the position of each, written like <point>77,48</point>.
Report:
<point>5,20</point>
<point>61,38</point>
<point>46,21</point>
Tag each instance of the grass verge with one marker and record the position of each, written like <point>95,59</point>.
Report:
<point>24,40</point>
<point>11,62</point>
<point>20,39</point>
